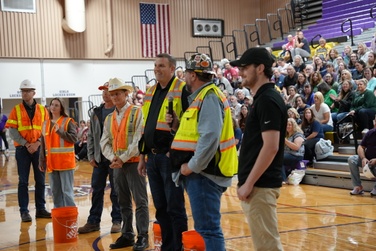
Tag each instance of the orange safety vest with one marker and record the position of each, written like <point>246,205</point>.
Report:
<point>122,135</point>
<point>59,153</point>
<point>30,130</point>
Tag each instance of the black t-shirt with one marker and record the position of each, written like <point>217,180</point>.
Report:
<point>287,81</point>
<point>306,45</point>
<point>268,112</point>
<point>157,138</point>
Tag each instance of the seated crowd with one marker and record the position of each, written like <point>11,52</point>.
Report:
<point>334,88</point>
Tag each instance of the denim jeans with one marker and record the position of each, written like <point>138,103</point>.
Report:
<point>98,184</point>
<point>341,116</point>
<point>205,199</point>
<point>168,201</point>
<point>24,160</point>
<point>354,164</point>
<point>61,183</point>
<point>289,163</point>
<point>326,128</point>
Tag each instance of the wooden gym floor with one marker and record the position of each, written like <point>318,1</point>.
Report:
<point>310,218</point>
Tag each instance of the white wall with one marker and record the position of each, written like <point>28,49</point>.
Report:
<point>63,78</point>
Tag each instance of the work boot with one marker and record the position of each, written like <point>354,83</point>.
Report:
<point>88,228</point>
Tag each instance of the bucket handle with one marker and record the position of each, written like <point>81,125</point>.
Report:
<point>73,226</point>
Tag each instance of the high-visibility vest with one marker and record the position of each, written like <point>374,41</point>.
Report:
<point>122,135</point>
<point>30,130</point>
<point>59,152</point>
<point>186,138</point>
<point>175,91</point>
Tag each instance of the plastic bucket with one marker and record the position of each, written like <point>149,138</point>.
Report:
<point>193,241</point>
<point>157,236</point>
<point>64,223</point>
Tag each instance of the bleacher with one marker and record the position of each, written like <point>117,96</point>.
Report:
<point>334,13</point>
<point>334,170</point>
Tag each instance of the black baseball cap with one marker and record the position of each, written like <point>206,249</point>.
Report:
<point>255,55</point>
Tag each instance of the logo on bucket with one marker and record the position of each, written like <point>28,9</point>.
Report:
<point>71,228</point>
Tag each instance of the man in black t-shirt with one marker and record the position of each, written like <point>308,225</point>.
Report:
<point>261,154</point>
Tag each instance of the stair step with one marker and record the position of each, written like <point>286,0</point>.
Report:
<point>338,179</point>
<point>336,158</point>
<point>331,165</point>
<point>346,150</point>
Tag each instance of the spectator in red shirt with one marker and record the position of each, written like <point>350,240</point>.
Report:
<point>232,74</point>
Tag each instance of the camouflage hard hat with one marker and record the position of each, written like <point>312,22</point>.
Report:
<point>200,62</point>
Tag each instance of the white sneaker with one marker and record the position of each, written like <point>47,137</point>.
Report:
<point>373,192</point>
<point>7,153</point>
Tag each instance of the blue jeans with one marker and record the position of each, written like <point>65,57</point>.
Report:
<point>61,183</point>
<point>326,128</point>
<point>340,116</point>
<point>289,163</point>
<point>168,201</point>
<point>24,160</point>
<point>354,163</point>
<point>205,198</point>
<point>98,184</point>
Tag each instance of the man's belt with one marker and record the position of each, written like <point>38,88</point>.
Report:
<point>158,151</point>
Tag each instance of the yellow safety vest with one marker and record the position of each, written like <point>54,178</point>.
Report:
<point>175,91</point>
<point>59,152</point>
<point>122,134</point>
<point>187,136</point>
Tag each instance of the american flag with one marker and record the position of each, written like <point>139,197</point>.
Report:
<point>155,29</point>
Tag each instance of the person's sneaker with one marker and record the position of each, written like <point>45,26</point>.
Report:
<point>122,242</point>
<point>373,192</point>
<point>116,227</point>
<point>7,153</point>
<point>88,228</point>
<point>357,191</point>
<point>42,214</point>
<point>25,217</point>
<point>141,244</point>
<point>77,158</point>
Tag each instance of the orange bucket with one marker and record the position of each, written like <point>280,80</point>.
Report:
<point>64,223</point>
<point>157,236</point>
<point>193,241</point>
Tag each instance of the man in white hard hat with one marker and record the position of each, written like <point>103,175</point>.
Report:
<point>366,156</point>
<point>25,128</point>
<point>119,144</point>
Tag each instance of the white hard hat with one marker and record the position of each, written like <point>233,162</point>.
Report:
<point>27,84</point>
<point>369,172</point>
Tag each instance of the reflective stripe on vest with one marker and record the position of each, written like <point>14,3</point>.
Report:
<point>59,152</point>
<point>175,91</point>
<point>122,135</point>
<point>187,136</point>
